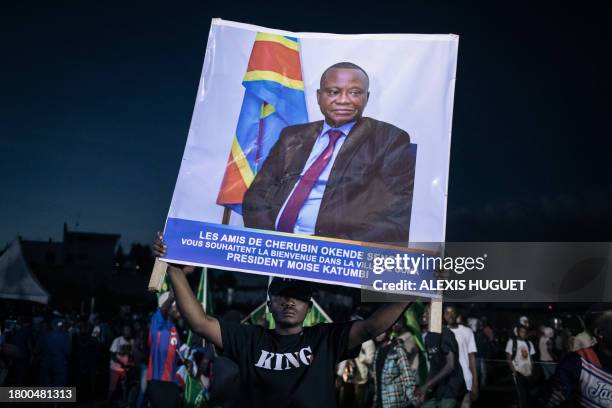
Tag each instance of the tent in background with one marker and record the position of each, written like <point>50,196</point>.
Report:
<point>17,282</point>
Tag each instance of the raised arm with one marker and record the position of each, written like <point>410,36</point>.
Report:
<point>378,322</point>
<point>475,392</point>
<point>431,382</point>
<point>191,310</point>
<point>472,350</point>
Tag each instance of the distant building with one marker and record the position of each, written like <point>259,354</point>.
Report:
<point>74,270</point>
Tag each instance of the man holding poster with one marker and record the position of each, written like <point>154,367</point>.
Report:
<point>348,177</point>
<point>290,365</point>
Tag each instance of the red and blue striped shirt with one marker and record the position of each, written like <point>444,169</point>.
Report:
<point>164,343</point>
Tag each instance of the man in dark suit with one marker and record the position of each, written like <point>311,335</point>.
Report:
<point>348,177</point>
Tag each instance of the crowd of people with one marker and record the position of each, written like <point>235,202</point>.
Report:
<point>408,368</point>
<point>110,361</point>
<point>52,348</point>
<point>147,360</point>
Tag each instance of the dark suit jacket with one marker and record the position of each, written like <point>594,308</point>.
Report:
<point>368,196</point>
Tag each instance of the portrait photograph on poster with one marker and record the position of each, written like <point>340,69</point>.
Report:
<point>311,154</point>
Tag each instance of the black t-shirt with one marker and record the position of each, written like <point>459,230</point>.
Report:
<point>295,371</point>
<point>438,345</point>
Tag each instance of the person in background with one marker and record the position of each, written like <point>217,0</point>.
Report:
<point>92,365</point>
<point>518,355</point>
<point>400,330</point>
<point>141,354</point>
<point>445,386</point>
<point>585,338</point>
<point>164,342</point>
<point>487,329</point>
<point>394,380</point>
<point>21,338</point>
<point>53,350</point>
<point>584,378</point>
<point>121,358</point>
<point>467,354</point>
<point>523,321</point>
<point>353,377</point>
<point>195,375</point>
<point>546,348</point>
<point>484,348</point>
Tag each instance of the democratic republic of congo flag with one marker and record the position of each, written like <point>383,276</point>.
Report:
<point>273,99</point>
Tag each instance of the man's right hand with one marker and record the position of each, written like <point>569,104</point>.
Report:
<point>191,310</point>
<point>159,250</point>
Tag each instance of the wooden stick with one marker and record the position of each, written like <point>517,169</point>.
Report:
<point>158,275</point>
<point>435,316</point>
<point>226,216</point>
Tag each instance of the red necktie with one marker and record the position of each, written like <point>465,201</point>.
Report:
<point>287,220</point>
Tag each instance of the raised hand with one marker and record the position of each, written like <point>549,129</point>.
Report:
<point>159,250</point>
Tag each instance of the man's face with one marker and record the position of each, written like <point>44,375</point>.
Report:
<point>127,332</point>
<point>343,95</point>
<point>174,313</point>
<point>288,311</point>
<point>522,333</point>
<point>399,326</point>
<point>450,316</point>
<point>425,318</point>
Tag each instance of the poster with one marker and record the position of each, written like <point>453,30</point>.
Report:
<point>295,169</point>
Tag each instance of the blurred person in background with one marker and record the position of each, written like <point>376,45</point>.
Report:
<point>484,348</point>
<point>546,348</point>
<point>92,363</point>
<point>467,354</point>
<point>162,386</point>
<point>22,338</point>
<point>141,355</point>
<point>584,378</point>
<point>445,386</point>
<point>121,358</point>
<point>53,350</point>
<point>353,376</point>
<point>195,375</point>
<point>585,338</point>
<point>518,355</point>
<point>408,341</point>
<point>394,380</point>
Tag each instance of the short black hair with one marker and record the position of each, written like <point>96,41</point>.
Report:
<point>450,306</point>
<point>345,65</point>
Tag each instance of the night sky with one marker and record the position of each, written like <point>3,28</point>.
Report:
<point>97,98</point>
